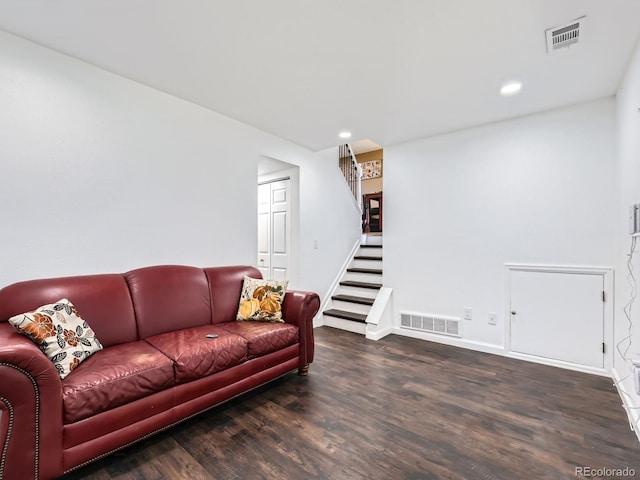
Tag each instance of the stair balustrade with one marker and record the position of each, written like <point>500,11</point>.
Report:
<point>352,172</point>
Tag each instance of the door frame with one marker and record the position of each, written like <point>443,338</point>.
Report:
<point>607,274</point>
<point>293,175</point>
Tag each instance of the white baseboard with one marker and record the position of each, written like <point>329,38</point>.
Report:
<point>453,341</point>
<point>633,411</point>
<point>379,334</point>
<point>559,363</point>
<point>498,350</point>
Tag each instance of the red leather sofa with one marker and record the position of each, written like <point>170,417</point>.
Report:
<point>157,367</point>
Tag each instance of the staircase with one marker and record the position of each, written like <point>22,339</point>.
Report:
<point>356,292</point>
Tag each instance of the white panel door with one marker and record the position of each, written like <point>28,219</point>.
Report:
<point>558,316</point>
<point>280,230</point>
<point>274,229</point>
<point>264,229</point>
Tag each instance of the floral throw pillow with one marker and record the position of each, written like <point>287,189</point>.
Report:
<point>262,300</point>
<point>60,333</point>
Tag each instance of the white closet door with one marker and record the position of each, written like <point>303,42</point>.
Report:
<point>558,316</point>
<point>274,229</point>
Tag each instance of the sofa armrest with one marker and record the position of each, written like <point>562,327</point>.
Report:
<point>30,409</point>
<point>299,308</point>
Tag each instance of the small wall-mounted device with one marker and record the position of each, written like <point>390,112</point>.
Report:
<point>636,374</point>
<point>634,219</point>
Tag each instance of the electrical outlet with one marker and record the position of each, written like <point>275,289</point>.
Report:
<point>315,244</point>
<point>493,318</point>
<point>468,314</point>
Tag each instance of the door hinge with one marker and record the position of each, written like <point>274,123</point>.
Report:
<point>604,296</point>
<point>603,347</point>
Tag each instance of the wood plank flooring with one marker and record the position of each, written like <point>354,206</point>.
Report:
<point>398,408</point>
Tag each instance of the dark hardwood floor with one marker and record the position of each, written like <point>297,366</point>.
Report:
<point>398,408</point>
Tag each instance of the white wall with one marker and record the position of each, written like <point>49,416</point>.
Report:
<point>102,174</point>
<point>628,189</point>
<point>536,190</point>
<point>329,217</point>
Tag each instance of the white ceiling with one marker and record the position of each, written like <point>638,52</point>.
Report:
<point>363,146</point>
<point>304,70</point>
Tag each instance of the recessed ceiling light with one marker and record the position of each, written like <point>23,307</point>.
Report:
<point>345,134</point>
<point>510,88</point>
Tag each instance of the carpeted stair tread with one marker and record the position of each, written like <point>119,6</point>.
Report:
<point>353,283</point>
<point>366,257</point>
<point>355,317</point>
<point>370,246</point>
<point>353,299</point>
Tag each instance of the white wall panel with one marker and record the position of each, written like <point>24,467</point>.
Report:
<point>628,192</point>
<point>279,195</point>
<point>535,190</point>
<point>121,176</point>
<point>280,232</point>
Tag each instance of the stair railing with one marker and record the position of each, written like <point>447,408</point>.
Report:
<point>352,172</point>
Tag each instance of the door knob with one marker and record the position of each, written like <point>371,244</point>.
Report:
<point>513,312</point>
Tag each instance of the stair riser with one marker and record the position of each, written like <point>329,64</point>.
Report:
<point>342,324</point>
<point>367,264</point>
<point>373,240</point>
<point>358,292</point>
<point>363,277</point>
<point>370,252</point>
<point>350,307</point>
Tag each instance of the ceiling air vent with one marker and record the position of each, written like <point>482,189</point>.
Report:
<point>565,35</point>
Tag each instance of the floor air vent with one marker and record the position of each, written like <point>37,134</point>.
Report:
<point>430,323</point>
<point>565,35</point>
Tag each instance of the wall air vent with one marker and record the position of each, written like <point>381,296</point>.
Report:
<point>565,35</point>
<point>431,323</point>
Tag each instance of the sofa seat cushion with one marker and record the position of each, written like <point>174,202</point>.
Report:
<point>115,376</point>
<point>262,337</point>
<point>195,356</point>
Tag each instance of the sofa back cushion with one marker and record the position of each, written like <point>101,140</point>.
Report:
<point>225,284</point>
<point>168,298</point>
<point>102,300</point>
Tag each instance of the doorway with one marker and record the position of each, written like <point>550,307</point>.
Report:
<point>372,213</point>
<point>272,170</point>
<point>274,229</point>
<point>369,156</point>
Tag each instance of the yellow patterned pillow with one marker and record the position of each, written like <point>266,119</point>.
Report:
<point>261,300</point>
<point>60,333</point>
